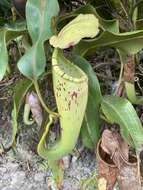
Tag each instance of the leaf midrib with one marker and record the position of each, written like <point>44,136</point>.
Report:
<point>107,43</point>
<point>124,121</point>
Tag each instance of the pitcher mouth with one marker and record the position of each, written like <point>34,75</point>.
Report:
<point>107,160</point>
<point>104,156</point>
<point>68,70</point>
<point>132,160</point>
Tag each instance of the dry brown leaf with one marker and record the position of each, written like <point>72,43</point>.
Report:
<point>36,110</point>
<point>113,144</point>
<point>127,177</point>
<point>108,143</point>
<point>106,168</point>
<point>124,148</point>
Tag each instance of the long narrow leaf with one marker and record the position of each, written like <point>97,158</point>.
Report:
<point>91,125</point>
<point>120,111</point>
<point>129,42</point>
<point>7,33</point>
<point>20,92</point>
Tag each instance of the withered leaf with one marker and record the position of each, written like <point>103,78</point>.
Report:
<point>113,144</point>
<point>35,107</point>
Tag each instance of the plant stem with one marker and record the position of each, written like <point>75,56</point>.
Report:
<point>138,172</point>
<point>120,78</point>
<point>42,101</point>
<point>26,114</point>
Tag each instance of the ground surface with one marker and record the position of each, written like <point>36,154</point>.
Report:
<point>24,170</point>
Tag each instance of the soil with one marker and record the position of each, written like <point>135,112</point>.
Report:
<point>23,169</point>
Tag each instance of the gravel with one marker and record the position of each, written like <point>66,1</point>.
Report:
<point>23,169</point>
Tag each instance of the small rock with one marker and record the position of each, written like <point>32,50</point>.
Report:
<point>66,160</point>
<point>3,170</point>
<point>12,167</point>
<point>31,187</point>
<point>39,177</point>
<point>74,159</point>
<point>17,178</point>
<point>6,177</point>
<point>7,188</point>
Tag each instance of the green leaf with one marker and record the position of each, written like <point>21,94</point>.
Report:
<point>39,16</point>
<point>86,135</point>
<point>91,124</point>
<point>128,42</point>
<point>19,93</point>
<point>7,33</point>
<point>14,30</point>
<point>32,64</point>
<point>14,124</point>
<point>109,25</point>
<point>131,94</point>
<point>83,26</point>
<point>120,111</point>
<point>3,54</point>
<point>5,4</point>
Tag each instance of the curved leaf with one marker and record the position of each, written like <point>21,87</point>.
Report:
<point>120,111</point>
<point>128,42</point>
<point>7,33</point>
<point>32,64</point>
<point>14,30</point>
<point>3,54</point>
<point>19,93</point>
<point>39,16</point>
<point>131,94</point>
<point>91,124</point>
<point>84,25</point>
